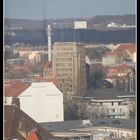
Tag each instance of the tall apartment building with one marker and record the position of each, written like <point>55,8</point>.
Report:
<point>70,67</point>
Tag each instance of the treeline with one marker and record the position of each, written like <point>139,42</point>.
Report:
<point>39,37</point>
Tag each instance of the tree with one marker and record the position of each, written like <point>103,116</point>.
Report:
<point>9,54</point>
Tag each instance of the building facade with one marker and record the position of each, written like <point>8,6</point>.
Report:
<point>70,67</point>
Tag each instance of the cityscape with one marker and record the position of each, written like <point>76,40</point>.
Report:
<point>69,76</point>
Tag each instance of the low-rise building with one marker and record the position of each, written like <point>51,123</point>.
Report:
<point>122,76</point>
<point>106,103</point>
<point>97,129</point>
<point>124,52</point>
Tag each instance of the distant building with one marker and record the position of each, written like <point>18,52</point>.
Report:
<point>119,70</point>
<point>17,61</point>
<point>122,76</point>
<point>112,24</point>
<point>116,25</point>
<point>36,99</point>
<point>123,53</point>
<point>80,25</point>
<point>110,60</point>
<point>70,67</point>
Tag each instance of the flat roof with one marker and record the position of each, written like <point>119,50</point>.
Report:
<point>78,124</point>
<point>108,94</point>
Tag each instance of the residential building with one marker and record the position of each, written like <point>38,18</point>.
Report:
<point>105,103</point>
<point>36,99</point>
<point>122,76</point>
<point>69,65</point>
<point>19,126</point>
<point>123,53</point>
<point>119,70</point>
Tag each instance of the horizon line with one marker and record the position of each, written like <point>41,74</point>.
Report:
<point>84,17</point>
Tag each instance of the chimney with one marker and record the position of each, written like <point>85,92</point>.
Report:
<point>16,102</point>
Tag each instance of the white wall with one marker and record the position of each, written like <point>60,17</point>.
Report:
<point>42,104</point>
<point>7,100</point>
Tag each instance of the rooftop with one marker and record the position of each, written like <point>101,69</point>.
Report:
<point>14,89</point>
<point>14,118</point>
<point>78,124</point>
<point>107,94</point>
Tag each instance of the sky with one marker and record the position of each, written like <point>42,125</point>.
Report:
<point>52,9</point>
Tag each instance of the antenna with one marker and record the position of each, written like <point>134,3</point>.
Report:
<point>49,42</point>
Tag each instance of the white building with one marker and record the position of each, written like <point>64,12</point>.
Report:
<point>106,103</point>
<point>134,57</point>
<point>42,101</point>
<point>112,108</point>
<point>80,25</point>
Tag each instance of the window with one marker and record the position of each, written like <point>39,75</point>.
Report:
<point>119,103</point>
<point>113,110</point>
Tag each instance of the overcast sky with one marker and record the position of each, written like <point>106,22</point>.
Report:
<point>48,9</point>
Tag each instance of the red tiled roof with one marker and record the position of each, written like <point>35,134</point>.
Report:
<point>12,116</point>
<point>21,67</point>
<point>122,49</point>
<point>110,53</point>
<point>117,77</point>
<point>40,78</point>
<point>124,66</point>
<point>48,64</point>
<point>126,46</point>
<point>15,89</point>
<point>33,136</point>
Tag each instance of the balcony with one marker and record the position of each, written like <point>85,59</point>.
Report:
<point>115,114</point>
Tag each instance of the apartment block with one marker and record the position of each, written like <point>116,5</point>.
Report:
<point>70,67</point>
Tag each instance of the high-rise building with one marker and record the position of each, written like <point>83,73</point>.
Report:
<point>70,67</point>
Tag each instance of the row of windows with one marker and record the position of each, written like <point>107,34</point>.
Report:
<point>65,48</point>
<point>63,59</point>
<point>65,53</point>
<point>64,64</point>
<point>64,70</point>
<point>66,75</point>
<point>115,110</point>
